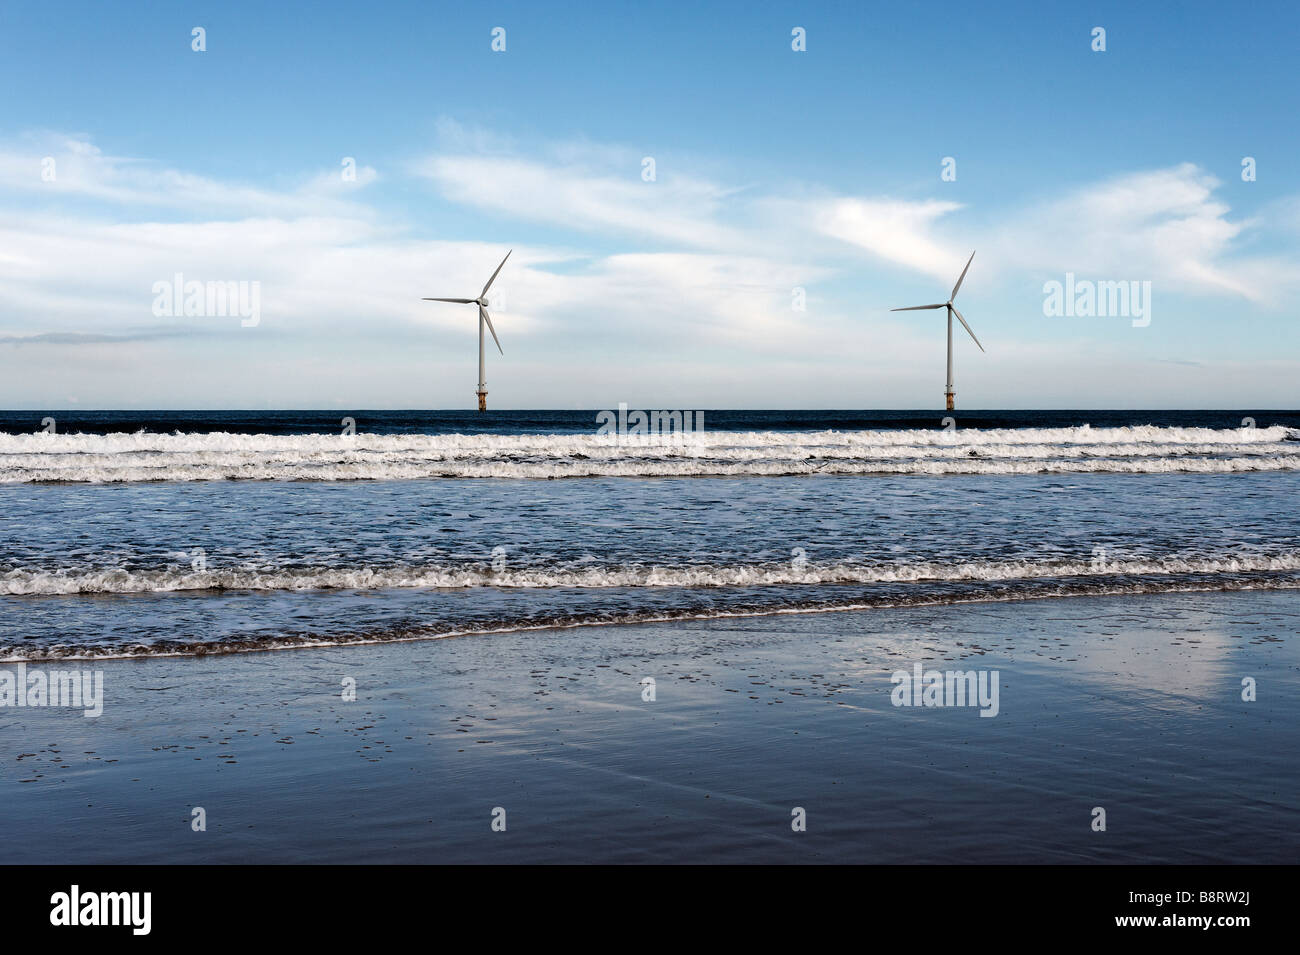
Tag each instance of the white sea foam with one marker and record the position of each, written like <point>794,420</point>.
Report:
<point>315,457</point>
<point>21,581</point>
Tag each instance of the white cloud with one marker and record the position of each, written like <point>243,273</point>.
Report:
<point>894,230</point>
<point>82,171</point>
<point>1166,226</point>
<point>673,209</point>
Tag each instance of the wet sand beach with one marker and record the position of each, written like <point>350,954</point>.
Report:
<point>1128,703</point>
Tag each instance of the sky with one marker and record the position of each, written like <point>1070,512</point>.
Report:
<point>701,215</point>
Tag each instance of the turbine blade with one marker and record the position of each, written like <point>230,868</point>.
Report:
<point>916,308</point>
<point>960,280</point>
<point>967,327</point>
<point>493,279</point>
<point>461,301</point>
<point>488,318</point>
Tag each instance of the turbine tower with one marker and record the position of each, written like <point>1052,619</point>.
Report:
<point>949,394</point>
<point>483,316</point>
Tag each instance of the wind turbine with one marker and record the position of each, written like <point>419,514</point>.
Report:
<point>483,316</point>
<point>952,310</point>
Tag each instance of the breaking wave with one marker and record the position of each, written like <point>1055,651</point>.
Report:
<point>162,580</point>
<point>947,595</point>
<point>218,456</point>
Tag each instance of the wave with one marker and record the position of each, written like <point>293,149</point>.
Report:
<point>1028,590</point>
<point>33,582</point>
<point>216,456</point>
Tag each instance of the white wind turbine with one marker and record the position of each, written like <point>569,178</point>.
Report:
<point>952,310</point>
<point>483,316</point>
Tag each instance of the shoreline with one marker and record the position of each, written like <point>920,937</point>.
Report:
<point>945,600</point>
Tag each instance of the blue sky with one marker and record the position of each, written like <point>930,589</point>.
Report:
<point>774,170</point>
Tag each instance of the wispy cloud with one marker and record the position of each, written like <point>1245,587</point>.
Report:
<point>55,166</point>
<point>676,209</point>
<point>896,231</point>
<point>1167,225</point>
<point>92,338</point>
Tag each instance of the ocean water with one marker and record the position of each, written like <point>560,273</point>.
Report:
<point>128,533</point>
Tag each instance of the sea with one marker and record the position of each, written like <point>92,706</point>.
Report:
<point>189,533</point>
